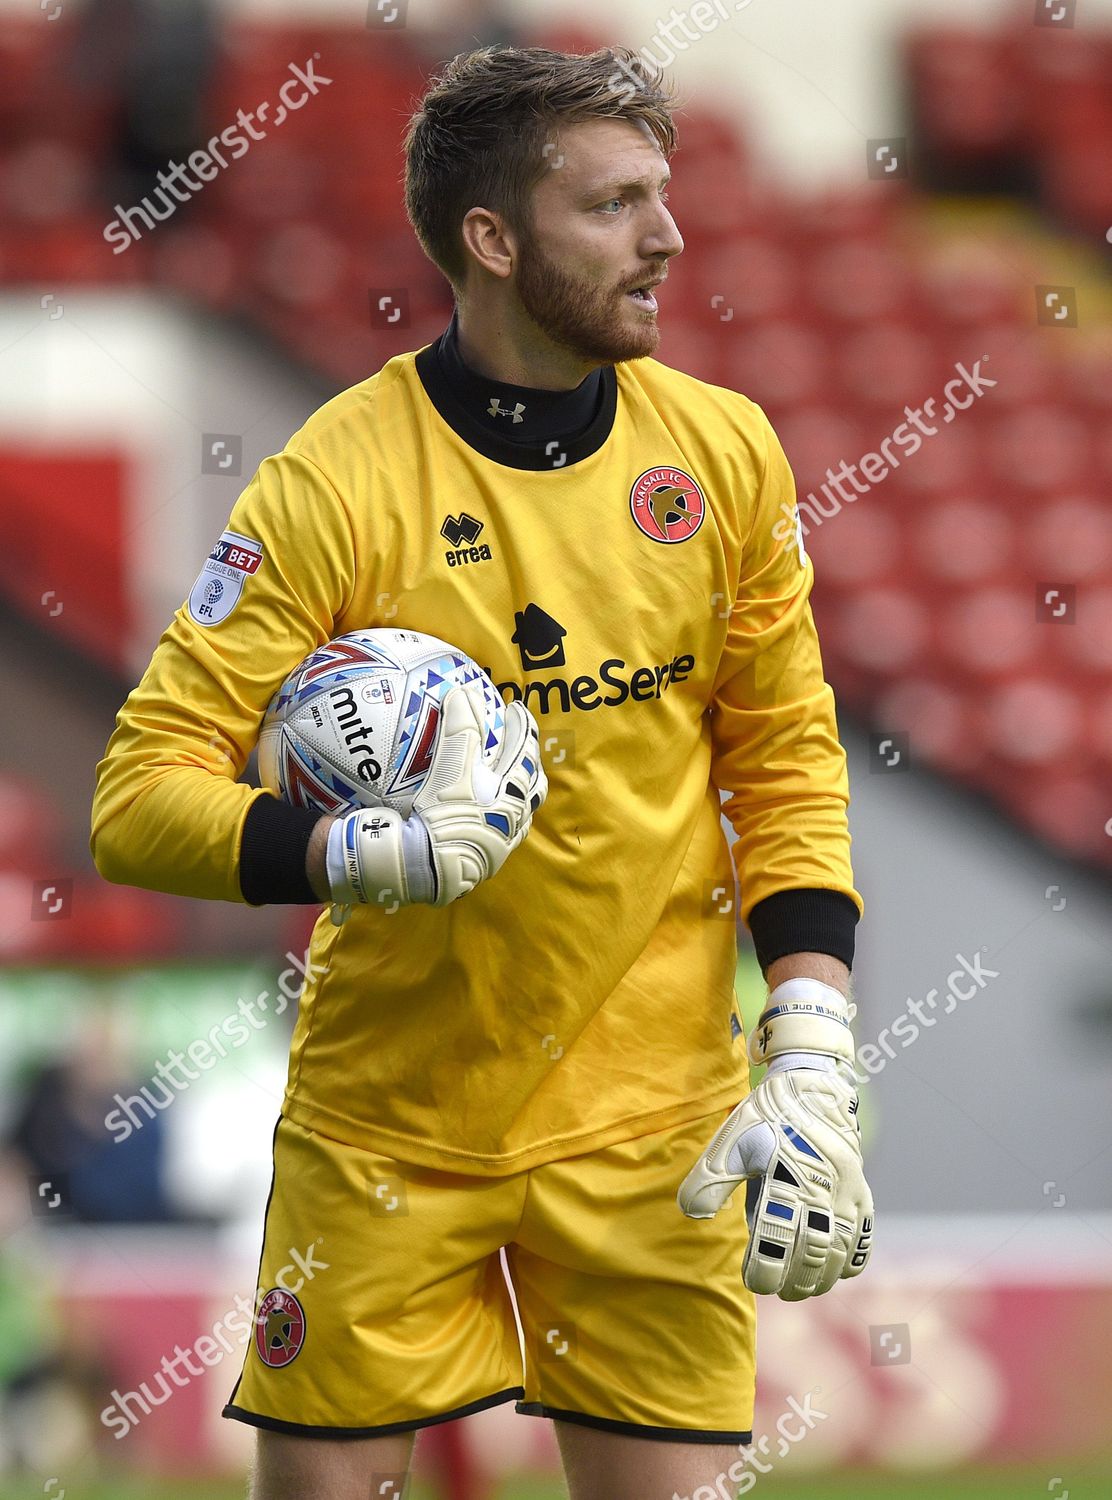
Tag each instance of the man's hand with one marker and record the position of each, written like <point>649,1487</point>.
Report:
<point>797,1143</point>
<point>466,821</point>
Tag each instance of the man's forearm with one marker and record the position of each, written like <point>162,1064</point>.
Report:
<point>314,858</point>
<point>822,966</point>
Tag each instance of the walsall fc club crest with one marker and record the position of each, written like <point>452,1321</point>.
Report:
<point>279,1328</point>
<point>667,504</point>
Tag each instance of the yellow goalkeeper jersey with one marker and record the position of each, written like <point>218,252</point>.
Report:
<point>644,588</point>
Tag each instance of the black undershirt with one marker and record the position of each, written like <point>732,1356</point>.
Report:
<point>571,424</point>
<point>521,414</point>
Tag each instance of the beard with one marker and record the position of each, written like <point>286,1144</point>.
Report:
<point>595,323</point>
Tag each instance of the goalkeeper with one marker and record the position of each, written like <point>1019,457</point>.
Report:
<point>499,1084</point>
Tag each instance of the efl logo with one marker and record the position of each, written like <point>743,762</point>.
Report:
<point>219,585</point>
<point>667,504</point>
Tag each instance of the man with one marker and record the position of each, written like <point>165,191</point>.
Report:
<point>537,1064</point>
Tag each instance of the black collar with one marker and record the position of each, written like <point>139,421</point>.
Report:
<point>564,427</point>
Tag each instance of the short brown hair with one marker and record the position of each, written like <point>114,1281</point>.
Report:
<point>478,135</point>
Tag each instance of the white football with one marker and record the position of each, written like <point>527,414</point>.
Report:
<point>355,725</point>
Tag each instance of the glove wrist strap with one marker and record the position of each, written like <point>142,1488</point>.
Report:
<point>804,1015</point>
<point>365,858</point>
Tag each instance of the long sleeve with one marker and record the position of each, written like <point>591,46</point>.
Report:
<point>168,811</point>
<point>775,741</point>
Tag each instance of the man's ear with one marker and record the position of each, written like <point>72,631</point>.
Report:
<point>489,241</point>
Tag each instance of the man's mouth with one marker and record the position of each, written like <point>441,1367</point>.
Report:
<point>644,298</point>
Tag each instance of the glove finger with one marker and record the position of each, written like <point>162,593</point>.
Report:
<point>733,1154</point>
<point>834,1261</point>
<point>773,1228</point>
<point>523,785</point>
<point>517,731</point>
<point>817,1257</point>
<point>860,1240</point>
<point>458,747</point>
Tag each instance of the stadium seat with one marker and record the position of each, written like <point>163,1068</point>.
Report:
<point>1087,642</point>
<point>859,546</point>
<point>1069,539</point>
<point>882,630</point>
<point>962,541</point>
<point>1067,807</point>
<point>782,364</point>
<point>751,278</point>
<point>885,364</point>
<point>1035,721</point>
<point>964,100</point>
<point>988,632</point>
<point>1039,447</point>
<point>855,280</point>
<point>942,722</point>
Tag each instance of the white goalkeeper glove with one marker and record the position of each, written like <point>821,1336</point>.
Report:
<point>797,1140</point>
<point>467,818</point>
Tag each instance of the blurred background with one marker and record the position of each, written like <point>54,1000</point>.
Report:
<point>898,218</point>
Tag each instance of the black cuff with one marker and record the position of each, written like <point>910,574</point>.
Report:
<point>272,854</point>
<point>803,921</point>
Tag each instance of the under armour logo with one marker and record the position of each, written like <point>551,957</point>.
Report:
<point>494,410</point>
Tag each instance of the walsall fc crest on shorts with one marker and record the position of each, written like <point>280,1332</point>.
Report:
<point>279,1328</point>
<point>667,504</point>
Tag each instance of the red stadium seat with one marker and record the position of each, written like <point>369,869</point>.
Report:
<point>948,460</point>
<point>301,265</point>
<point>1099,735</point>
<point>1069,539</point>
<point>854,280</point>
<point>1034,721</point>
<point>1017,360</point>
<point>941,720</point>
<point>1088,371</point>
<point>962,541</point>
<point>1068,807</point>
<point>1088,641</point>
<point>885,364</point>
<point>882,630</point>
<point>752,278</point>
<point>837,215</point>
<point>988,632</point>
<point>815,439</point>
<point>201,262</point>
<point>862,545</point>
<point>1039,447</point>
<point>964,94</point>
<point>781,363</point>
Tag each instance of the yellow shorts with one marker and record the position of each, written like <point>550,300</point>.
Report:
<point>383,1305</point>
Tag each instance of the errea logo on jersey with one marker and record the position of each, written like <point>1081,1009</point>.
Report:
<point>463,528</point>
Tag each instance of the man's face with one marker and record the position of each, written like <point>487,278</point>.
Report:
<point>600,229</point>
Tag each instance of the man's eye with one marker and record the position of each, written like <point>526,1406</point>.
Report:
<point>609,201</point>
